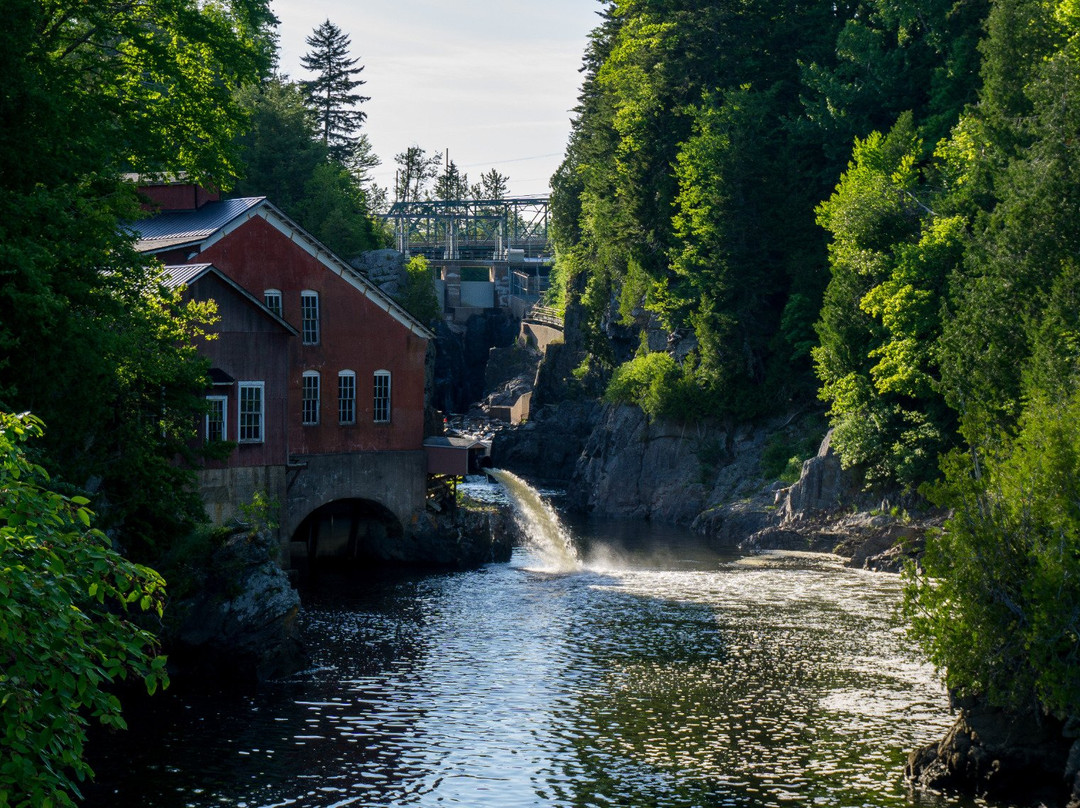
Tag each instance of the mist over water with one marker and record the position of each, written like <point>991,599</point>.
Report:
<point>656,672</point>
<point>550,542</point>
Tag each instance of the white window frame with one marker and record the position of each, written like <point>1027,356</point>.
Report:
<point>310,381</point>
<point>309,317</point>
<point>223,408</point>
<point>381,399</point>
<point>273,300</point>
<point>242,433</point>
<point>347,397</point>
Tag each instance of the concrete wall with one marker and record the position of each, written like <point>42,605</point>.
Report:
<point>541,335</point>
<point>478,294</point>
<point>396,480</point>
<point>224,490</point>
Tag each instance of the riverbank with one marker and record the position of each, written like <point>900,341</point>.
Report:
<point>711,479</point>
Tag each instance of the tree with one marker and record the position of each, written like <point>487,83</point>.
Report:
<point>287,162</point>
<point>331,92</point>
<point>415,169</point>
<point>418,292</point>
<point>90,341</point>
<point>451,185</point>
<point>492,185</point>
<point>891,257</point>
<point>67,634</point>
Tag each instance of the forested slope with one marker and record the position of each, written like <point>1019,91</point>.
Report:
<point>874,204</point>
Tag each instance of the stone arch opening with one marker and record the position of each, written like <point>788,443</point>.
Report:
<point>346,529</point>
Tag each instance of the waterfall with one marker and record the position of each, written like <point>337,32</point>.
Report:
<point>544,533</point>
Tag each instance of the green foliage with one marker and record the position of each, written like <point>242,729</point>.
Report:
<point>285,160</point>
<point>891,256</point>
<point>330,94</point>
<point>786,450</point>
<point>999,609</point>
<point>418,293</point>
<point>661,387</point>
<point>66,628</point>
<point>88,339</point>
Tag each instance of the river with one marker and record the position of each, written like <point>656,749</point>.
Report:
<point>659,673</point>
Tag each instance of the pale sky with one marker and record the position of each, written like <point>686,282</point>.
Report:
<point>492,81</point>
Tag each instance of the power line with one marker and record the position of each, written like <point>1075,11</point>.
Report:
<point>513,160</point>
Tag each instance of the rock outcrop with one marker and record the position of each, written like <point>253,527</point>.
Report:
<point>1002,755</point>
<point>547,448</point>
<point>385,268</point>
<point>239,626</point>
<point>461,538</point>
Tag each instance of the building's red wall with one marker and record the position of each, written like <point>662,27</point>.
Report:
<point>250,347</point>
<point>356,335</point>
<point>178,196</point>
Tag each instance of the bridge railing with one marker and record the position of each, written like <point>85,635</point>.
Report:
<point>544,315</point>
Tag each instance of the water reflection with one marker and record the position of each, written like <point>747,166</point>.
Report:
<point>670,678</point>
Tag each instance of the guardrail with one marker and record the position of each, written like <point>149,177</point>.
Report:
<point>545,315</point>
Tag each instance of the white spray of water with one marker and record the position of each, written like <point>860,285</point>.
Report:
<point>547,538</point>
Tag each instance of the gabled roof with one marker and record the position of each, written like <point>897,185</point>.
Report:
<point>204,227</point>
<point>176,275</point>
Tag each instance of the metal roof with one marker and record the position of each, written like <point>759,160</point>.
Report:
<point>215,220</point>
<point>451,442</point>
<point>177,229</point>
<point>177,275</point>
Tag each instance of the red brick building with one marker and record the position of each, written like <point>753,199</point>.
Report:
<point>355,380</point>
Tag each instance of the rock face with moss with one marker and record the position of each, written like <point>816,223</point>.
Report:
<point>633,466</point>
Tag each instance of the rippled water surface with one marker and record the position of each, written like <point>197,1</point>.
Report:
<point>659,675</point>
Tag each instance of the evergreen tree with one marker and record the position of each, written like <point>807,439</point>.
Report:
<point>285,160</point>
<point>451,184</point>
<point>492,185</point>
<point>331,92</point>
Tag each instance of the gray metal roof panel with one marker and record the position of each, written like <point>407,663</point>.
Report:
<point>177,275</point>
<point>189,226</point>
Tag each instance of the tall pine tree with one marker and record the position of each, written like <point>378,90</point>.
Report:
<point>331,92</point>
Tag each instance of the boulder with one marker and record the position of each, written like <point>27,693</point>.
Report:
<point>822,486</point>
<point>999,755</point>
<point>462,538</point>
<point>239,626</point>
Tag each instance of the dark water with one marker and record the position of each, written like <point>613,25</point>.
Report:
<point>660,675</point>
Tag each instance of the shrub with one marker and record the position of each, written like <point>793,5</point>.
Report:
<point>66,632</point>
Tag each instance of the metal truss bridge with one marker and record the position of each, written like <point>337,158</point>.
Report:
<point>472,229</point>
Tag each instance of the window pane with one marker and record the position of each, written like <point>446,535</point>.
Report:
<point>272,298</point>
<point>382,396</point>
<point>311,399</point>
<point>347,398</point>
<point>215,419</point>
<point>251,412</point>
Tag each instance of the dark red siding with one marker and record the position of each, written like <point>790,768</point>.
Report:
<point>178,197</point>
<point>356,334</point>
<point>250,347</point>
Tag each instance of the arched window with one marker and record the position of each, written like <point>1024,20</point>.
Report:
<point>310,397</point>
<point>346,385</point>
<point>382,396</point>
<point>272,299</point>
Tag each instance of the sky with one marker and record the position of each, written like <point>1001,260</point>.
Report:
<point>492,82</point>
